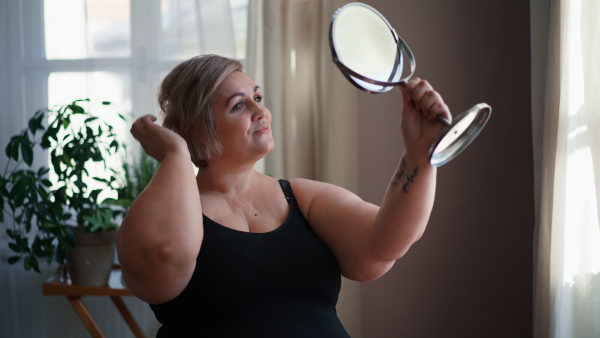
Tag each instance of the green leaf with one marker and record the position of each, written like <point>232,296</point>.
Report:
<point>27,153</point>
<point>12,149</point>
<point>120,202</point>
<point>43,193</point>
<point>35,265</point>
<point>14,247</point>
<point>35,123</point>
<point>48,225</point>
<point>100,179</point>
<point>114,144</point>
<point>55,160</point>
<point>49,134</point>
<point>94,194</point>
<point>80,184</point>
<point>13,259</point>
<point>76,109</point>
<point>66,159</point>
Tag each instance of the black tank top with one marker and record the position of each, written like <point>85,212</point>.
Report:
<point>284,283</point>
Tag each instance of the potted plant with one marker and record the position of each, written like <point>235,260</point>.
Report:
<point>49,219</point>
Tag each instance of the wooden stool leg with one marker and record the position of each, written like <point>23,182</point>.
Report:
<point>128,317</point>
<point>85,316</point>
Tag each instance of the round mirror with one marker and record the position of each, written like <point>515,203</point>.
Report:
<point>369,53</point>
<point>359,33</point>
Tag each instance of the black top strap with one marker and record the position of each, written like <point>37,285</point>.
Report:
<point>287,190</point>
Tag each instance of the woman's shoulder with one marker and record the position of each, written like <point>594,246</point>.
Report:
<point>310,192</point>
<point>307,186</point>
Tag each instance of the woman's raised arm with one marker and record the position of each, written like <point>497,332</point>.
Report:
<point>367,239</point>
<point>161,234</point>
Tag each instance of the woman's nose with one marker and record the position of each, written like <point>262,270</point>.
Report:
<point>259,113</point>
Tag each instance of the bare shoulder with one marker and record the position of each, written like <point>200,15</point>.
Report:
<point>306,191</point>
<point>320,199</point>
<point>303,185</point>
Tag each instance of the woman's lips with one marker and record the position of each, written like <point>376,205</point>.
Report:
<point>263,130</point>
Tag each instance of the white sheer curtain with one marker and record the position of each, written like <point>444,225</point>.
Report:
<point>566,115</point>
<point>313,106</point>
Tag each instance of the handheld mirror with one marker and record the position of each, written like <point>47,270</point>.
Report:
<point>369,53</point>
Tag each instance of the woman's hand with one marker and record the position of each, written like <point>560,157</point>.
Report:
<point>156,140</point>
<point>421,105</point>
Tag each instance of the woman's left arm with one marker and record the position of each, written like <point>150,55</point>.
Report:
<point>367,239</point>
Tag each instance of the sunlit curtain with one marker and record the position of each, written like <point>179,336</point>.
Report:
<point>566,115</point>
<point>313,106</point>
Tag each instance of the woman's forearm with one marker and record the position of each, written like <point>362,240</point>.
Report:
<point>405,209</point>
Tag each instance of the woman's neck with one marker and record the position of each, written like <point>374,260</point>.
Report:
<point>228,180</point>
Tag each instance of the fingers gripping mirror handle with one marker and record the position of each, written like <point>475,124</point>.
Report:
<point>440,118</point>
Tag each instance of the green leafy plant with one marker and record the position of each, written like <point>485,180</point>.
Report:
<point>137,175</point>
<point>45,215</point>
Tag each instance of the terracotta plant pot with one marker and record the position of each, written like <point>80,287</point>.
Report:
<point>91,262</point>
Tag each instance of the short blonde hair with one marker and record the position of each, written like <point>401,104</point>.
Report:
<point>186,98</point>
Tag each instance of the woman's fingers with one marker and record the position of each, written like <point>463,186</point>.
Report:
<point>155,139</point>
<point>142,126</point>
<point>425,99</point>
<point>148,134</point>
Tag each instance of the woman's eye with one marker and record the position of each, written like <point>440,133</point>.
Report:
<point>258,98</point>
<point>238,106</point>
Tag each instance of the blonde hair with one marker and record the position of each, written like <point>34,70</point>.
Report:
<point>186,98</point>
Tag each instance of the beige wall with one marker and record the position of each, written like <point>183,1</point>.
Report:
<point>471,273</point>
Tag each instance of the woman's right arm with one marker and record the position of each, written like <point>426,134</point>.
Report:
<point>160,237</point>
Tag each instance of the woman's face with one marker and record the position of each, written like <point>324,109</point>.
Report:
<point>242,122</point>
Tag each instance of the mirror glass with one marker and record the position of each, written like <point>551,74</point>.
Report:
<point>361,34</point>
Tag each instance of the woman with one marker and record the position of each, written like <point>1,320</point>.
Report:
<point>231,252</point>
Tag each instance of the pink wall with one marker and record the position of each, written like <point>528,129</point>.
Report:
<point>471,273</point>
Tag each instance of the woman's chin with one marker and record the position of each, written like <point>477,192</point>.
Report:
<point>269,148</point>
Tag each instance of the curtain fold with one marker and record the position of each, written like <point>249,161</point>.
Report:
<point>314,108</point>
<point>566,97</point>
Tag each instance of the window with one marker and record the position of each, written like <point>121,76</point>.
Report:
<point>55,51</point>
<point>116,50</point>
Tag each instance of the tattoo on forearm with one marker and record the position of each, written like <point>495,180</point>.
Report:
<point>403,177</point>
